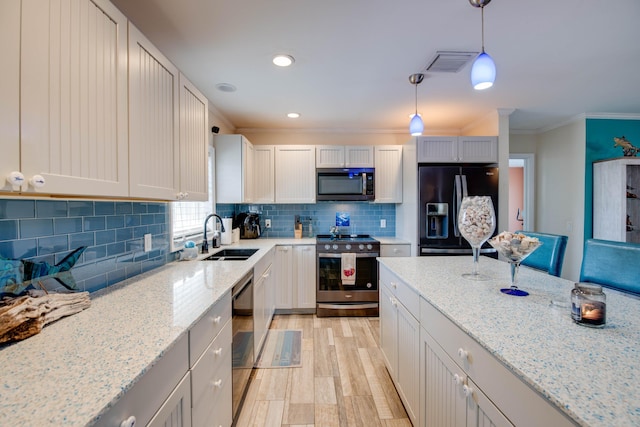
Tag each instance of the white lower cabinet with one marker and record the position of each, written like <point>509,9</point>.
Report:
<point>176,410</point>
<point>163,393</point>
<point>400,338</point>
<point>263,300</point>
<point>462,384</point>
<point>210,354</point>
<point>295,278</point>
<point>448,397</point>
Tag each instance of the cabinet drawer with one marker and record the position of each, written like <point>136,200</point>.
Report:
<point>395,250</point>
<point>201,335</point>
<point>501,385</point>
<point>403,292</point>
<point>261,266</point>
<point>213,408</point>
<point>213,365</point>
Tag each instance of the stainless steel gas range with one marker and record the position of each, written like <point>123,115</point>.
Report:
<point>337,297</point>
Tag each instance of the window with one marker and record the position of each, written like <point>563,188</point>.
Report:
<point>187,218</point>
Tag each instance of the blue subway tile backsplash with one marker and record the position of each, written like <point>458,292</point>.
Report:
<point>318,218</point>
<point>47,230</point>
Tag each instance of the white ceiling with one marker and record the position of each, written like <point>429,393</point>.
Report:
<point>555,59</point>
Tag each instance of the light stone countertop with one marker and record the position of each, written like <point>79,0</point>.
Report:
<point>590,374</point>
<point>78,367</point>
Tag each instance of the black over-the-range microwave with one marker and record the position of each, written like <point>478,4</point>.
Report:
<point>345,184</point>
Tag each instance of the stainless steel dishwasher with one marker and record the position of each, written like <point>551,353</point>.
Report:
<point>242,344</point>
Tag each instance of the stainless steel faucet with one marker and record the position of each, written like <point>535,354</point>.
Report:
<point>205,244</point>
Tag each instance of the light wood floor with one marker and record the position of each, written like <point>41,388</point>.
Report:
<point>342,382</point>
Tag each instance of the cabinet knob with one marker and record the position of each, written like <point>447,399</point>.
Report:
<point>394,285</point>
<point>217,352</point>
<point>396,250</point>
<point>463,354</point>
<point>216,319</point>
<point>458,379</point>
<point>129,422</point>
<point>15,179</point>
<point>217,383</point>
<point>468,391</point>
<point>37,181</point>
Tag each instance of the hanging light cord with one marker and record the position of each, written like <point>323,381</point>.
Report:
<point>416,85</point>
<point>482,17</point>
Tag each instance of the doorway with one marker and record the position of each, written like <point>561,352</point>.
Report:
<point>521,191</point>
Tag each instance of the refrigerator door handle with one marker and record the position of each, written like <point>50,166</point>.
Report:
<point>463,178</point>
<point>457,200</point>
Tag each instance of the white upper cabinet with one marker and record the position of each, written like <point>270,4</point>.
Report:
<point>194,119</point>
<point>264,174</point>
<point>73,96</point>
<point>9,91</point>
<point>339,156</point>
<point>388,173</point>
<point>235,174</point>
<point>330,156</point>
<point>358,156</point>
<point>154,121</point>
<point>295,174</point>
<point>454,149</point>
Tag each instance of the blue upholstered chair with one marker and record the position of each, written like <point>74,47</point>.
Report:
<point>612,264</point>
<point>550,255</point>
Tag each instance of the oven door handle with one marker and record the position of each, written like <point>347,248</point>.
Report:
<point>366,255</point>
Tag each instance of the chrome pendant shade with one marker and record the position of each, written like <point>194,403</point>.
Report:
<point>483,70</point>
<point>416,126</point>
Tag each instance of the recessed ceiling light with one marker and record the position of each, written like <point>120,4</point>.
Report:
<point>283,60</point>
<point>226,87</point>
<point>293,115</point>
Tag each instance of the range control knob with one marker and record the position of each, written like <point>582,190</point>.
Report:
<point>335,247</point>
<point>327,247</point>
<point>348,246</point>
<point>361,246</point>
<point>369,247</point>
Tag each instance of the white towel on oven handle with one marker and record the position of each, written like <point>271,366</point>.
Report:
<point>348,268</point>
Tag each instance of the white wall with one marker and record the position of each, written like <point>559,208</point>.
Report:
<point>560,184</point>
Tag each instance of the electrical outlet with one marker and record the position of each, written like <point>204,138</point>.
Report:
<point>383,223</point>
<point>147,242</point>
<point>267,223</point>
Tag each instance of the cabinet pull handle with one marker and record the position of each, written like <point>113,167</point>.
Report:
<point>217,384</point>
<point>463,354</point>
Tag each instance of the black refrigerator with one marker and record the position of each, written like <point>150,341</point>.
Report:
<point>441,188</point>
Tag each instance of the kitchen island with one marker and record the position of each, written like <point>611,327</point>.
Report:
<point>78,368</point>
<point>589,376</point>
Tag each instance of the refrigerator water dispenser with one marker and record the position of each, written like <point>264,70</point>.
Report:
<point>437,220</point>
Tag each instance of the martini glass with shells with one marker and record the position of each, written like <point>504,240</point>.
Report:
<point>514,247</point>
<point>476,222</point>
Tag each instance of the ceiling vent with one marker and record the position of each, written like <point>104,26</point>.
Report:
<point>450,61</point>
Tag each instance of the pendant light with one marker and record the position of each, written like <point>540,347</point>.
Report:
<point>416,126</point>
<point>483,70</point>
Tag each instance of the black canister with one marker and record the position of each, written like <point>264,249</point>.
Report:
<point>588,305</point>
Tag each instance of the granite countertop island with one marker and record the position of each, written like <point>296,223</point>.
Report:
<point>78,367</point>
<point>590,374</point>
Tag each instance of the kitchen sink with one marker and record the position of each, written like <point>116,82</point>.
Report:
<point>231,255</point>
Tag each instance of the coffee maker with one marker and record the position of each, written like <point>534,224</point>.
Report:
<point>249,224</point>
